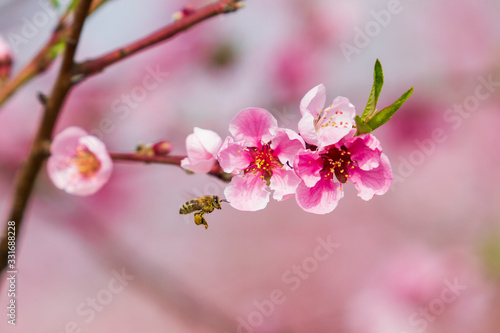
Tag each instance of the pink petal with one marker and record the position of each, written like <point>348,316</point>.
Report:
<point>314,101</point>
<point>307,165</point>
<point>320,199</point>
<point>330,135</point>
<point>98,148</point>
<point>202,166</point>
<point>284,183</point>
<point>307,129</point>
<point>286,144</point>
<point>252,125</point>
<point>233,157</point>
<point>210,140</point>
<point>66,141</point>
<point>202,145</point>
<point>376,181</point>
<point>247,193</point>
<point>365,150</point>
<point>341,107</point>
<point>341,113</point>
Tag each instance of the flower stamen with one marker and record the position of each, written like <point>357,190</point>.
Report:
<point>86,162</point>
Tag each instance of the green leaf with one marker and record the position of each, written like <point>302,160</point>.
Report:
<point>378,82</point>
<point>73,4</point>
<point>385,114</point>
<point>55,3</point>
<point>361,126</point>
<point>57,49</point>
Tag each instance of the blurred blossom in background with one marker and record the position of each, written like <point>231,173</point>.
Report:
<point>425,257</point>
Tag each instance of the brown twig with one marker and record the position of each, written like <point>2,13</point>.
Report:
<point>168,159</point>
<point>45,57</point>
<point>94,66</point>
<point>26,178</point>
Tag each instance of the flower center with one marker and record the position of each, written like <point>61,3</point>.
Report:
<point>263,162</point>
<point>327,117</point>
<point>86,162</point>
<point>337,161</point>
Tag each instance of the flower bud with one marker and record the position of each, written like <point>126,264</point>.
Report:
<point>162,148</point>
<point>5,59</point>
<point>185,11</point>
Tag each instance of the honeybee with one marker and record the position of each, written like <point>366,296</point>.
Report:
<point>201,206</point>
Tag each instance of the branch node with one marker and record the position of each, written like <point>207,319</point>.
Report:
<point>42,98</point>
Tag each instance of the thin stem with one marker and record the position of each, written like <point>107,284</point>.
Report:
<point>94,66</point>
<point>175,160</point>
<point>216,171</point>
<point>26,178</point>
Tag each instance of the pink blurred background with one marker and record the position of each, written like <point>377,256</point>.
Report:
<point>425,257</point>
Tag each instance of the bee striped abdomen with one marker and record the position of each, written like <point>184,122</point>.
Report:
<point>190,206</point>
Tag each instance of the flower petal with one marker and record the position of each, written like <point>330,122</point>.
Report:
<point>286,144</point>
<point>202,145</point>
<point>307,129</point>
<point>365,150</point>
<point>233,157</point>
<point>307,165</point>
<point>252,125</point>
<point>201,166</point>
<point>284,183</point>
<point>66,141</point>
<point>313,101</point>
<point>247,193</point>
<point>341,107</point>
<point>340,120</point>
<point>375,181</point>
<point>210,140</point>
<point>319,199</point>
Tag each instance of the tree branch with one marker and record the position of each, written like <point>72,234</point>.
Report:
<point>94,66</point>
<point>26,178</point>
<point>45,57</point>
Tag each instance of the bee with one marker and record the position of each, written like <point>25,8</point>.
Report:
<point>201,206</point>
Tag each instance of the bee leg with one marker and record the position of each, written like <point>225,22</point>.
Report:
<point>199,219</point>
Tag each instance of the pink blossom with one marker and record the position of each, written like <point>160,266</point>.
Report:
<point>5,59</point>
<point>202,147</point>
<point>323,127</point>
<point>260,156</point>
<point>79,163</point>
<point>358,159</point>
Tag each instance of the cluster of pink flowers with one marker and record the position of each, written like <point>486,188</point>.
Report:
<point>262,157</point>
<point>312,164</point>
